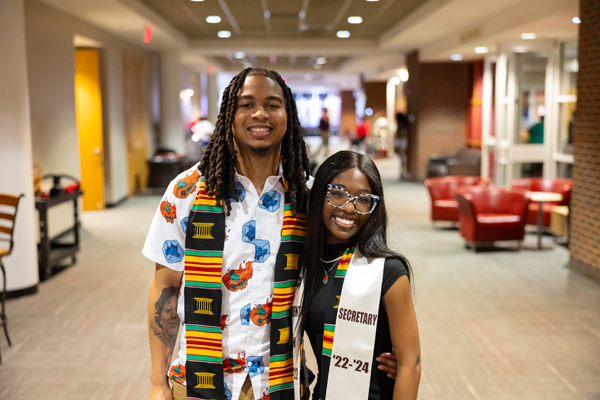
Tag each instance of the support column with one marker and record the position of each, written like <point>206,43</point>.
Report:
<point>172,131</point>
<point>15,151</point>
<point>212,92</point>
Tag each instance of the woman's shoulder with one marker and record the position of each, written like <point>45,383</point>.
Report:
<point>394,264</point>
<point>393,269</point>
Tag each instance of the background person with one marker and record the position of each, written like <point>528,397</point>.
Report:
<point>324,131</point>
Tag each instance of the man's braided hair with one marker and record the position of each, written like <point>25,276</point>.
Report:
<point>218,162</point>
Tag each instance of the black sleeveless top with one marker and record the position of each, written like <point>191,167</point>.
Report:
<point>382,387</point>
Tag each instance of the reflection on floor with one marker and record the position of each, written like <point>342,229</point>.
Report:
<point>494,325</point>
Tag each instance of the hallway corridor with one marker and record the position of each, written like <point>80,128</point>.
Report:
<point>502,325</point>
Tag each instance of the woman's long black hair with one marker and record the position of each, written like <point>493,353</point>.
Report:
<point>218,162</point>
<point>372,238</point>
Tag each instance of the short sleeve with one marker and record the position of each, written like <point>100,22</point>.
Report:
<point>165,243</point>
<point>393,269</point>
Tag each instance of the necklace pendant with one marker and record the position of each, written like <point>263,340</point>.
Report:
<point>325,279</point>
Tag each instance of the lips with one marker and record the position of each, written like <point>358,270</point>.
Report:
<point>344,221</point>
<point>260,131</point>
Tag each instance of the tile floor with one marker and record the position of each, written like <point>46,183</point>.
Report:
<point>501,325</point>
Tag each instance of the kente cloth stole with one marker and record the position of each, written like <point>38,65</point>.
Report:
<point>351,318</point>
<point>204,242</point>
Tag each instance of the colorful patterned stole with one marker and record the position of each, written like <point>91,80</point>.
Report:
<point>205,239</point>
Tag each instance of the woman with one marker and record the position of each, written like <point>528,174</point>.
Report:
<point>357,300</point>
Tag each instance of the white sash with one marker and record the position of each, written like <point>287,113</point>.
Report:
<point>355,328</point>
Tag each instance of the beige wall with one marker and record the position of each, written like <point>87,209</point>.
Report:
<point>15,147</point>
<point>51,59</point>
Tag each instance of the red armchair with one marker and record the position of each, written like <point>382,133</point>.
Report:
<point>562,186</point>
<point>489,214</point>
<point>444,206</point>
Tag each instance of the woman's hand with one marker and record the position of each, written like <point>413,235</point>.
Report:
<point>388,364</point>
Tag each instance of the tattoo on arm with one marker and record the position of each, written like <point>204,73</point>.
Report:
<point>166,320</point>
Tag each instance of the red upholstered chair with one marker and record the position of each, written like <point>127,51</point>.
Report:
<point>562,186</point>
<point>444,206</point>
<point>489,214</point>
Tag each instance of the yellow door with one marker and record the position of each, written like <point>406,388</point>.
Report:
<point>88,101</point>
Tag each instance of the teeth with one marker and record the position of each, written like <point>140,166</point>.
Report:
<point>259,129</point>
<point>344,221</point>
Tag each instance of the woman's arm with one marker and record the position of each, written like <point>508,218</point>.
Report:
<point>401,314</point>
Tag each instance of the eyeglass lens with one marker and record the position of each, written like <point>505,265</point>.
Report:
<point>363,203</point>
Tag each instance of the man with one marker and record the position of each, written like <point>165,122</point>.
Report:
<point>239,216</point>
<point>324,131</point>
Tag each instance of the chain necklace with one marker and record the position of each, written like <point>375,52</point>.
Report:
<point>335,261</point>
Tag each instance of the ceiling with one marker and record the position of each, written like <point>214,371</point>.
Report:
<point>289,35</point>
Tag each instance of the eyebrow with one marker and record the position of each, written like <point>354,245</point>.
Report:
<point>250,97</point>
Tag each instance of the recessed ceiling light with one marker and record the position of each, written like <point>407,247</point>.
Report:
<point>355,20</point>
<point>481,50</point>
<point>317,66</point>
<point>197,0</point>
<point>403,74</point>
<point>520,49</point>
<point>239,55</point>
<point>308,77</point>
<point>456,57</point>
<point>213,19</point>
<point>372,0</point>
<point>224,34</point>
<point>527,36</point>
<point>343,34</point>
<point>321,60</point>
<point>576,20</point>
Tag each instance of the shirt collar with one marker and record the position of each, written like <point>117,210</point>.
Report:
<point>271,179</point>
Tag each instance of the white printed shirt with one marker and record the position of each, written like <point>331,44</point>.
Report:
<point>253,236</point>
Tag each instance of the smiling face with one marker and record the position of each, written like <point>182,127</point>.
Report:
<point>169,318</point>
<point>260,120</point>
<point>342,224</point>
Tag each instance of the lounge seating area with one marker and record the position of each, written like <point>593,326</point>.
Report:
<point>486,213</point>
<point>489,214</point>
<point>444,206</point>
<point>560,186</point>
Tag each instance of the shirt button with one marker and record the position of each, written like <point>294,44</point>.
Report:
<point>251,334</point>
<point>258,267</point>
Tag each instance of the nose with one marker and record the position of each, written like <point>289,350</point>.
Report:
<point>349,208</point>
<point>260,113</point>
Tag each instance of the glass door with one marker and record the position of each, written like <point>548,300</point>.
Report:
<point>524,88</point>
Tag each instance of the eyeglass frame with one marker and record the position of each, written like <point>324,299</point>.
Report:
<point>351,199</point>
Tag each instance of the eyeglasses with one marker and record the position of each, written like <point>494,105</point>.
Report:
<point>338,197</point>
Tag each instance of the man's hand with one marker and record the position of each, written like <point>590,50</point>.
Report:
<point>388,364</point>
<point>161,392</point>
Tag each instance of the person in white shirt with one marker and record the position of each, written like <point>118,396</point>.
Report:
<point>230,233</point>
